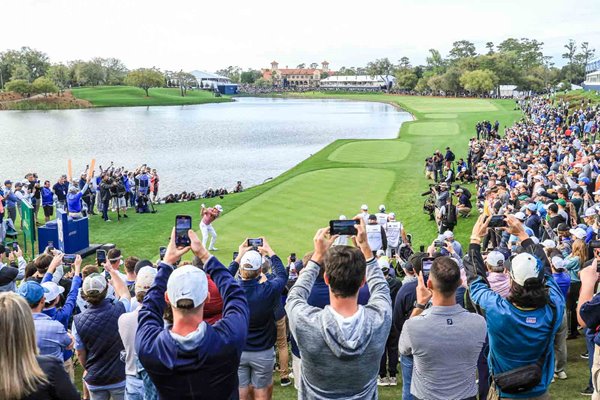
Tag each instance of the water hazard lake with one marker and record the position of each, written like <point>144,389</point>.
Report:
<point>192,147</point>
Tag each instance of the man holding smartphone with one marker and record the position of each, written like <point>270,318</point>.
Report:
<point>208,215</point>
<point>191,358</point>
<point>342,344</point>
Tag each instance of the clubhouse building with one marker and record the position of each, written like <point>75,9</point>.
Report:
<point>592,77</point>
<point>359,83</point>
<point>296,77</point>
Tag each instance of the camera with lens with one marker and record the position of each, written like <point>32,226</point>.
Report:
<point>431,187</point>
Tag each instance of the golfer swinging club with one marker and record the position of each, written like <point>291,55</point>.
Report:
<point>208,215</point>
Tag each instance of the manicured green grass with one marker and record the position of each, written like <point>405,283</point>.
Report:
<point>123,96</point>
<point>371,152</point>
<point>441,128</point>
<point>289,209</point>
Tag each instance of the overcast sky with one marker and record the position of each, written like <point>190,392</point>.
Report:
<point>209,34</point>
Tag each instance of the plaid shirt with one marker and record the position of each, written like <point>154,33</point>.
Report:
<point>51,336</point>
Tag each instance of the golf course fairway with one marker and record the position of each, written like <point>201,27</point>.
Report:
<point>336,180</point>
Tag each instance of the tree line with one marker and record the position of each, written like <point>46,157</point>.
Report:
<point>29,71</point>
<point>519,62</point>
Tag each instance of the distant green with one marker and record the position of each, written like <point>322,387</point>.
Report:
<point>125,96</point>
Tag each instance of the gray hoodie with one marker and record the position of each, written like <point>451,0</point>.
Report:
<point>340,356</point>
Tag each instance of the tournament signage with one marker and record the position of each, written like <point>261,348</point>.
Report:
<point>28,225</point>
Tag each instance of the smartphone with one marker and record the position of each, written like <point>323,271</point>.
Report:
<point>162,250</point>
<point>427,262</point>
<point>393,253</point>
<point>342,227</point>
<point>255,243</point>
<point>69,259</point>
<point>292,257</point>
<point>15,246</point>
<point>422,248</point>
<point>183,223</point>
<point>66,268</point>
<point>497,221</point>
<point>100,257</point>
<point>235,255</point>
<point>50,245</point>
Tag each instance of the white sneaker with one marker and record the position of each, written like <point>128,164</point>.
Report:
<point>213,249</point>
<point>562,375</point>
<point>392,381</point>
<point>383,381</point>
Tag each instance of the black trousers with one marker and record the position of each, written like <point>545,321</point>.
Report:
<point>572,298</point>
<point>389,358</point>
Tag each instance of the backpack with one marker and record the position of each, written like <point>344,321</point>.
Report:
<point>451,219</point>
<point>451,156</point>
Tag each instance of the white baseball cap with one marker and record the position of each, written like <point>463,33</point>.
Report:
<point>251,260</point>
<point>392,215</point>
<point>219,207</point>
<point>558,262</point>
<point>381,207</point>
<point>578,233</point>
<point>187,283</point>
<point>380,253</point>
<point>383,263</point>
<point>94,283</point>
<point>343,217</point>
<point>590,212</point>
<point>53,291</point>
<point>364,207</point>
<point>495,259</point>
<point>524,266</point>
<point>448,234</point>
<point>144,279</point>
<point>549,244</point>
<point>520,216</point>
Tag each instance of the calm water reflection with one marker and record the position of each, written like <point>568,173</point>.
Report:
<point>193,147</point>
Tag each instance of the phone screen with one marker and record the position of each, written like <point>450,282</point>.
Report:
<point>162,251</point>
<point>50,245</point>
<point>15,246</point>
<point>101,257</point>
<point>497,221</point>
<point>69,258</point>
<point>342,227</point>
<point>183,223</point>
<point>427,262</point>
<point>258,242</point>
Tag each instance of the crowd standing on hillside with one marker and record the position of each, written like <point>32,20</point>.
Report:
<point>108,190</point>
<point>487,319</point>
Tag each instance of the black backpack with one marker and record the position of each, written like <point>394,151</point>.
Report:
<point>451,156</point>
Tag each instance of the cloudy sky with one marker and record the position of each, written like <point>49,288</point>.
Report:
<point>208,34</point>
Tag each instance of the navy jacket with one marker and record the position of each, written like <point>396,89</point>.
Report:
<point>404,303</point>
<point>262,299</point>
<point>209,371</point>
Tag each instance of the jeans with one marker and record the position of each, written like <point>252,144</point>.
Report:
<point>589,344</point>
<point>560,346</point>
<point>406,362</point>
<point>114,394</point>
<point>134,388</point>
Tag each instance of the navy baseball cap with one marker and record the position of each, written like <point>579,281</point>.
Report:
<point>7,182</point>
<point>32,291</point>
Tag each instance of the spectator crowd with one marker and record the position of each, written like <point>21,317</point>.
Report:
<point>485,319</point>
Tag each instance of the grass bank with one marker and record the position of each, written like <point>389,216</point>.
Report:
<point>127,96</point>
<point>337,180</point>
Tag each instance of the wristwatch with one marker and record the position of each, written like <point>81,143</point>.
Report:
<point>419,305</point>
